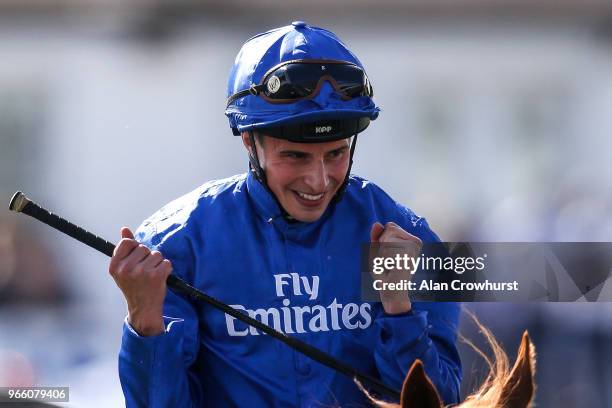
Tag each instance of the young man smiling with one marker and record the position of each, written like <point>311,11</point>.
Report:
<point>281,243</point>
<point>304,177</point>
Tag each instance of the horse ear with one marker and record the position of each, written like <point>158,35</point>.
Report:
<point>418,390</point>
<point>519,388</point>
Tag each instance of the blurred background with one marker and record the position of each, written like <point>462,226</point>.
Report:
<point>496,126</point>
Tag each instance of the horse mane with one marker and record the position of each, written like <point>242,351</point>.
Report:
<point>493,391</point>
<point>503,387</point>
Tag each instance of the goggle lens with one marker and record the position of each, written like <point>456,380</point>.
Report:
<point>295,80</point>
<point>301,80</point>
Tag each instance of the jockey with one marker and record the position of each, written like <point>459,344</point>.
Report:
<point>282,244</point>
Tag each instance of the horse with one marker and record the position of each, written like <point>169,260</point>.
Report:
<point>503,387</point>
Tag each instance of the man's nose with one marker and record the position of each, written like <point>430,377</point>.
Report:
<point>317,177</point>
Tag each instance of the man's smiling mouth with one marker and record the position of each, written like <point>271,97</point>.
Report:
<point>309,197</point>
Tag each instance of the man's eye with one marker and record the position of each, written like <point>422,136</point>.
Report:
<point>295,155</point>
<point>336,153</point>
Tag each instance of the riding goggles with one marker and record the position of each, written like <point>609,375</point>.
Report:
<point>295,80</point>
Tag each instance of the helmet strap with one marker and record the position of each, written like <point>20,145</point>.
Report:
<point>260,175</point>
<point>254,164</point>
<point>342,188</point>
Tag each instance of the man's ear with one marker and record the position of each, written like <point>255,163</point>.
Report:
<point>248,143</point>
<point>246,140</point>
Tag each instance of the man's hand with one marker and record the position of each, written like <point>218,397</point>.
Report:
<point>395,302</point>
<point>141,275</point>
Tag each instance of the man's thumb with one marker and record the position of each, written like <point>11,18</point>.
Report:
<point>376,231</point>
<point>126,233</point>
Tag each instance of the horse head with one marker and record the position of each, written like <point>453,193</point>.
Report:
<point>503,388</point>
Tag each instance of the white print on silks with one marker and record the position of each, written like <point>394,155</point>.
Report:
<point>301,319</point>
<point>311,289</point>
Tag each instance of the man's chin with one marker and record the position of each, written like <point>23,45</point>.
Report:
<point>307,214</point>
<point>307,218</point>
<point>304,211</point>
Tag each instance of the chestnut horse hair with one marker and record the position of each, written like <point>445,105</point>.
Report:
<point>502,388</point>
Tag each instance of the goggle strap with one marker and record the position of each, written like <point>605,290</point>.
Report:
<point>253,90</point>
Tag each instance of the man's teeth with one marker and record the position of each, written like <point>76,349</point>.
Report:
<point>309,196</point>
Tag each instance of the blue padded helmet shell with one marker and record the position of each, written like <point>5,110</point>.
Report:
<point>264,51</point>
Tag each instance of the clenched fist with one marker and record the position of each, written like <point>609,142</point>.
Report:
<point>141,275</point>
<point>395,302</point>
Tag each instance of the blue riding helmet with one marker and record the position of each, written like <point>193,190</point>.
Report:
<point>329,113</point>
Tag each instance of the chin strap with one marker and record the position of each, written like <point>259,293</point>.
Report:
<point>254,165</point>
<point>344,185</point>
<point>260,175</point>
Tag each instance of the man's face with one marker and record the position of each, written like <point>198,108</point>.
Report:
<point>304,177</point>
